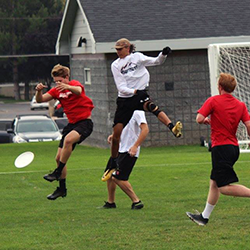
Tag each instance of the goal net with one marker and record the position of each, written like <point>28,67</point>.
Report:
<point>232,58</point>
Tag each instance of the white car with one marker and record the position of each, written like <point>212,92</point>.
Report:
<point>35,105</point>
<point>34,128</point>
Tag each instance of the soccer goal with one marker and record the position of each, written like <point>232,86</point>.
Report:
<point>232,58</point>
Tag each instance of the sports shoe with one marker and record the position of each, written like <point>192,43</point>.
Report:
<point>197,218</point>
<point>53,176</point>
<point>57,193</point>
<point>111,167</point>
<point>109,205</point>
<point>107,175</point>
<point>176,130</point>
<point>137,205</point>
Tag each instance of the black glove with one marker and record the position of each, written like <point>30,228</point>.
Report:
<point>166,51</point>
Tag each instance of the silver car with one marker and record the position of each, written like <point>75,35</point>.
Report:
<point>35,105</point>
<point>34,128</point>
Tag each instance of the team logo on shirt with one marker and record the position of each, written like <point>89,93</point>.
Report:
<point>65,95</point>
<point>129,67</point>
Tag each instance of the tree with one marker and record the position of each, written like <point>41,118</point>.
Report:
<point>27,27</point>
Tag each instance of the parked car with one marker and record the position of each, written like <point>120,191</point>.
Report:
<point>34,128</point>
<point>35,105</point>
<point>58,110</point>
<point>61,122</point>
<point>5,124</point>
<point>5,137</point>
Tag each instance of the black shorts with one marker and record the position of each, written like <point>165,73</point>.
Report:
<point>126,164</point>
<point>83,127</point>
<point>126,107</point>
<point>223,160</point>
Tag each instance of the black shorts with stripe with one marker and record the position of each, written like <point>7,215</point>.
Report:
<point>126,164</point>
<point>223,160</point>
<point>84,128</point>
<point>126,107</point>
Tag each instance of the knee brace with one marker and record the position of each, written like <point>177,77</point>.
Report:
<point>151,107</point>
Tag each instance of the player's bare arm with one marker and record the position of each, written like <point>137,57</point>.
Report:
<point>144,132</point>
<point>64,86</point>
<point>40,97</point>
<point>201,119</point>
<point>247,124</point>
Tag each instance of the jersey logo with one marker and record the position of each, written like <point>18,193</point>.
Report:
<point>65,95</point>
<point>129,67</point>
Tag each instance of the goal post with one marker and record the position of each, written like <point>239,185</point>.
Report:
<point>232,58</point>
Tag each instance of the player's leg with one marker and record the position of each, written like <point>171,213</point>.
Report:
<point>111,186</point>
<point>161,115</point>
<point>235,190</point>
<point>60,191</point>
<point>117,130</point>
<point>68,142</point>
<point>126,164</point>
<point>127,189</point>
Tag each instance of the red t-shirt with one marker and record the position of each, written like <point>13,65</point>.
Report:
<point>76,107</point>
<point>225,114</point>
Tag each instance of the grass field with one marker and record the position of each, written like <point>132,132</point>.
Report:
<point>169,180</point>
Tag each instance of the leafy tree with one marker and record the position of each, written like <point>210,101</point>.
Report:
<point>27,27</point>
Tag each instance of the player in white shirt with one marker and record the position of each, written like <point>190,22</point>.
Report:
<point>132,137</point>
<point>131,79</point>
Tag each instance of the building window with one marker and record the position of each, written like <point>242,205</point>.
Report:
<point>87,76</point>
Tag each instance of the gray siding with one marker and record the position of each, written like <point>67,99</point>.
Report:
<point>80,29</point>
<point>98,92</point>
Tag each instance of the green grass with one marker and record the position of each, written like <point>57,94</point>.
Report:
<point>169,180</point>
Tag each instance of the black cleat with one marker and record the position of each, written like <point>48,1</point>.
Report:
<point>137,205</point>
<point>57,193</point>
<point>197,218</point>
<point>109,205</point>
<point>53,176</point>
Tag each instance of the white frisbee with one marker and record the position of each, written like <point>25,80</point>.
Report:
<point>24,159</point>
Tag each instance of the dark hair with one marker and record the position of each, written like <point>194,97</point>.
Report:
<point>131,48</point>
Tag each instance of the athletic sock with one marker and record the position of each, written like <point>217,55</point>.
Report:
<point>207,211</point>
<point>61,166</point>
<point>62,184</point>
<point>170,126</point>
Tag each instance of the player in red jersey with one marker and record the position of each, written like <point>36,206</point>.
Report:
<point>225,113</point>
<point>77,106</point>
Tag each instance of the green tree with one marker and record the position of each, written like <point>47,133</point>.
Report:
<point>27,27</point>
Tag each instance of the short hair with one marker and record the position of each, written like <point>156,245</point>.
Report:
<point>227,82</point>
<point>60,70</point>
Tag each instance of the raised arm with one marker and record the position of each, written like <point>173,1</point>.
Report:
<point>40,97</point>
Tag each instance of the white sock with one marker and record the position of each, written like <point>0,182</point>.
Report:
<point>207,211</point>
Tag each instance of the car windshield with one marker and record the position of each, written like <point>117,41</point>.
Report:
<point>35,126</point>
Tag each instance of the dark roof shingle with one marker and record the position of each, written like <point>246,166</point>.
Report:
<point>155,20</point>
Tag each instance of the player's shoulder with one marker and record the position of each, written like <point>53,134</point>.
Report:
<point>74,82</point>
<point>139,115</point>
<point>137,54</point>
<point>115,63</point>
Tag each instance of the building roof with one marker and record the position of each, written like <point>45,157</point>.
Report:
<point>177,22</point>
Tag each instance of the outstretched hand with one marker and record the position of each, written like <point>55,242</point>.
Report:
<point>166,51</point>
